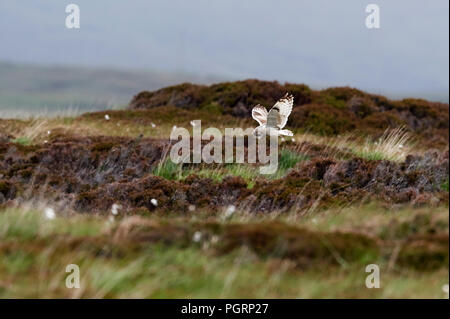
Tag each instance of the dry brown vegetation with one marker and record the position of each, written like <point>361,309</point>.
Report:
<point>93,173</point>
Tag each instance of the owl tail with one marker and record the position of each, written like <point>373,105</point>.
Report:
<point>285,132</point>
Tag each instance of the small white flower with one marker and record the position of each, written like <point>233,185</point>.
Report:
<point>192,123</point>
<point>115,209</point>
<point>154,202</point>
<point>282,139</point>
<point>49,132</point>
<point>293,139</point>
<point>45,142</point>
<point>445,288</point>
<point>153,124</point>
<point>400,146</point>
<point>191,208</point>
<point>197,236</point>
<point>49,213</point>
<point>107,117</point>
<point>230,210</point>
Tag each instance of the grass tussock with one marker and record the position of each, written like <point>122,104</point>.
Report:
<point>393,145</point>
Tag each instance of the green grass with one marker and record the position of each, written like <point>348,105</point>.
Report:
<point>22,140</point>
<point>162,272</point>
<point>288,159</point>
<point>22,224</point>
<point>371,156</point>
<point>169,170</point>
<point>445,186</point>
<point>172,171</point>
<point>35,251</point>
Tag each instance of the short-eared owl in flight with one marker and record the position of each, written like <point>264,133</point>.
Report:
<point>272,122</point>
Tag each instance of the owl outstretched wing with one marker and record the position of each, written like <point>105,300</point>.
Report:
<point>284,108</point>
<point>259,113</point>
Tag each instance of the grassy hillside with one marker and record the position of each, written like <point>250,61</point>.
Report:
<point>332,111</point>
<point>344,196</point>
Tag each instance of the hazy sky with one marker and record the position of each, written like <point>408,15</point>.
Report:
<point>317,42</point>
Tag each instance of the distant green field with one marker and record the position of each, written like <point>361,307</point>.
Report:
<point>46,90</point>
<point>14,105</point>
